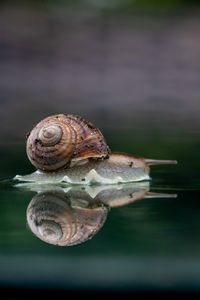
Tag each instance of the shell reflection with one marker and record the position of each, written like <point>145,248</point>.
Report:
<point>54,219</point>
<point>73,215</point>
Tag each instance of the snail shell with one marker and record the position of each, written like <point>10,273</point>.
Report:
<point>57,140</point>
<point>53,219</point>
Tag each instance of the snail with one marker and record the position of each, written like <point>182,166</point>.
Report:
<point>70,216</point>
<point>68,148</point>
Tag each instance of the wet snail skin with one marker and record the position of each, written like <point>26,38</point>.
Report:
<point>68,148</point>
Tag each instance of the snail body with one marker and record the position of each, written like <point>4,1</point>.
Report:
<point>68,148</point>
<point>118,168</point>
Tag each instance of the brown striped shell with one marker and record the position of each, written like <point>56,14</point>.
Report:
<point>57,140</point>
<point>53,219</point>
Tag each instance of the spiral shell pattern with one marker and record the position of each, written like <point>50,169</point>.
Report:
<point>57,140</point>
<point>52,219</point>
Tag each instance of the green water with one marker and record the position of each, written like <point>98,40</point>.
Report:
<point>148,244</point>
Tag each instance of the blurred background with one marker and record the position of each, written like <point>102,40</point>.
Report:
<point>131,67</point>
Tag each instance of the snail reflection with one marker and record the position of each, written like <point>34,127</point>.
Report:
<point>69,216</point>
<point>63,219</point>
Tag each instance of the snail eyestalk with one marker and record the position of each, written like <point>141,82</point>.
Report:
<point>154,162</point>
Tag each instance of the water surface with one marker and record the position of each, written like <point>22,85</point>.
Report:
<point>148,244</point>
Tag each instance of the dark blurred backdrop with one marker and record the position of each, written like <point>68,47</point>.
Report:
<point>128,66</point>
